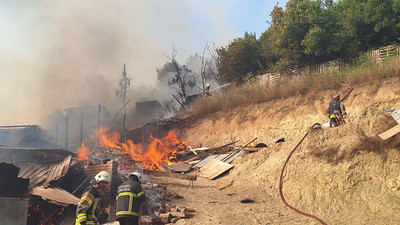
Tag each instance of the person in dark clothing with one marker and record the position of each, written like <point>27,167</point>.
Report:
<point>88,207</point>
<point>130,196</point>
<point>336,111</point>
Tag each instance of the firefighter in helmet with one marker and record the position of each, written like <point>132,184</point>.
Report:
<point>336,111</point>
<point>206,91</point>
<point>130,196</point>
<point>88,207</point>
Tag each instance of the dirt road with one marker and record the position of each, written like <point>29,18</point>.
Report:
<point>220,202</point>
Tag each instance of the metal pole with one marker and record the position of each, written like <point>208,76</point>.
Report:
<point>66,134</point>
<point>98,119</point>
<point>124,129</point>
<point>56,132</point>
<point>178,101</point>
<point>125,83</point>
<point>98,126</point>
<point>81,127</point>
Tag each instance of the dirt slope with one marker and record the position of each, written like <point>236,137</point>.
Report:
<point>343,175</point>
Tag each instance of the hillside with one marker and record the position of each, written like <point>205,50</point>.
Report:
<point>344,175</point>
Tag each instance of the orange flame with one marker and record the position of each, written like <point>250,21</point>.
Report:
<point>83,153</point>
<point>156,153</point>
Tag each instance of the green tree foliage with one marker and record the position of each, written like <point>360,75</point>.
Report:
<point>296,24</point>
<point>321,41</point>
<point>314,31</point>
<point>307,32</point>
<point>240,58</point>
<point>367,24</point>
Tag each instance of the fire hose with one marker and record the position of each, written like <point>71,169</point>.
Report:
<point>287,160</point>
<point>281,184</point>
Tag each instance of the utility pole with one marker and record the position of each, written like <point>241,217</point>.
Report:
<point>121,93</point>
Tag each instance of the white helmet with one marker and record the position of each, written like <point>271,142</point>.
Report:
<point>137,175</point>
<point>207,85</point>
<point>103,176</point>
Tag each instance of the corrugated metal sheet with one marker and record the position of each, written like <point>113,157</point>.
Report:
<point>209,158</point>
<point>231,157</point>
<point>228,158</point>
<point>57,171</point>
<point>396,115</point>
<point>37,173</point>
<point>55,195</point>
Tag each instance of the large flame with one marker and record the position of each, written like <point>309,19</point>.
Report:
<point>157,152</point>
<point>83,153</point>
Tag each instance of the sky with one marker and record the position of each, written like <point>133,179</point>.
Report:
<point>56,54</point>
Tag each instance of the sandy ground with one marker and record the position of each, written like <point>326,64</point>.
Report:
<point>215,206</point>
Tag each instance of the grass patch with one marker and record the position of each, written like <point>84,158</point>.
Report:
<point>251,93</point>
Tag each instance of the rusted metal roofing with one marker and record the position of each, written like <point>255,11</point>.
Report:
<point>37,173</point>
<point>22,149</point>
<point>57,171</point>
<point>55,195</point>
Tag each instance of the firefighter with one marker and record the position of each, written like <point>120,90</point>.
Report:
<point>336,111</point>
<point>88,207</point>
<point>130,196</point>
<point>206,91</point>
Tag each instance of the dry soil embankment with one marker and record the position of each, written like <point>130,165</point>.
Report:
<point>343,175</point>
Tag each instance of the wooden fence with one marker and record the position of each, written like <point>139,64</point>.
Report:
<point>337,65</point>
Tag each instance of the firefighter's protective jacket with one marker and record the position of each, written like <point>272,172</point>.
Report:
<point>336,105</point>
<point>129,197</point>
<point>87,210</point>
<point>206,92</point>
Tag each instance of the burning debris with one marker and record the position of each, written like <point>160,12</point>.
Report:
<point>57,177</point>
<point>153,156</point>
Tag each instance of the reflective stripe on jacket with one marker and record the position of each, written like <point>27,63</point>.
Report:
<point>87,209</point>
<point>129,197</point>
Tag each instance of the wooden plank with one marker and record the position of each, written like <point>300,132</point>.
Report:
<point>391,132</point>
<point>166,217</point>
<point>214,168</point>
<point>169,174</point>
<point>179,214</point>
<point>181,167</point>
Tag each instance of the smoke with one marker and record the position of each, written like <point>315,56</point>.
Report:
<point>61,54</point>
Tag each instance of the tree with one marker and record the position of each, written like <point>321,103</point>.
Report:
<point>240,58</point>
<point>121,92</point>
<point>202,68</point>
<point>179,77</point>
<point>368,24</point>
<point>321,42</point>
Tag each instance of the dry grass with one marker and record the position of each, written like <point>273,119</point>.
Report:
<point>254,93</point>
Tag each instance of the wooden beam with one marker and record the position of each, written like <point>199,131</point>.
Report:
<point>389,133</point>
<point>190,177</point>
